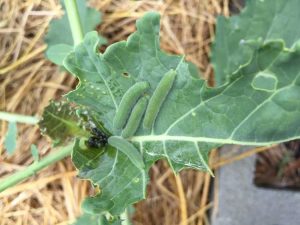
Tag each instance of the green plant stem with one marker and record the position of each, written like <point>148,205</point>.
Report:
<point>35,167</point>
<point>74,21</point>
<point>11,117</point>
<point>125,218</point>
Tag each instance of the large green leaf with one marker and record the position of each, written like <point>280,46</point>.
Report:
<point>261,21</point>
<point>258,106</point>
<point>59,37</point>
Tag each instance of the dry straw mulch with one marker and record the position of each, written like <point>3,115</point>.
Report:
<point>28,81</point>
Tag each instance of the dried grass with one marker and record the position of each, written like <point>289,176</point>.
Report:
<point>28,81</point>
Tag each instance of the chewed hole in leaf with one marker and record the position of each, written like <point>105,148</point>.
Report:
<point>125,74</point>
<point>265,81</point>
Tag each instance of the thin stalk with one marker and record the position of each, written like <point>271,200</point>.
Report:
<point>74,21</point>
<point>125,218</point>
<point>35,167</point>
<point>11,117</point>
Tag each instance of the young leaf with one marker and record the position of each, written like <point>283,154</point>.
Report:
<point>34,153</point>
<point>57,53</point>
<point>260,22</point>
<point>10,142</point>
<point>60,122</point>
<point>59,37</point>
<point>193,119</point>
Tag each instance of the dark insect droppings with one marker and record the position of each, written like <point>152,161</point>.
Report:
<point>94,142</point>
<point>98,133</point>
<point>98,140</point>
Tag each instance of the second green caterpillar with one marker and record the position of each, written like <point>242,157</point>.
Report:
<point>135,117</point>
<point>128,101</point>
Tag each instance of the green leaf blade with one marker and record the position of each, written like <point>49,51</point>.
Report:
<point>261,21</point>
<point>60,122</point>
<point>10,142</point>
<point>102,85</point>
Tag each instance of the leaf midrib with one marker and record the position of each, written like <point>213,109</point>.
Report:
<point>164,138</point>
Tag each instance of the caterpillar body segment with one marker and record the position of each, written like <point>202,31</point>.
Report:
<point>135,117</point>
<point>157,99</point>
<point>128,149</point>
<point>128,101</point>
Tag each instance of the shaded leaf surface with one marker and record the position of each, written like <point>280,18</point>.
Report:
<point>193,119</point>
<point>260,22</point>
<point>60,122</point>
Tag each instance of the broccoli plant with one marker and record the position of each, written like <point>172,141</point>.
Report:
<point>136,104</point>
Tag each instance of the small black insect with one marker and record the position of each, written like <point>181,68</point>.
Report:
<point>97,132</point>
<point>94,142</point>
<point>98,140</point>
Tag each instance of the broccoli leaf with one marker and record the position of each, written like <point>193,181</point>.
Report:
<point>257,106</point>
<point>260,22</point>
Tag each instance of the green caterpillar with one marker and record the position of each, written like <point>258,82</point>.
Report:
<point>159,95</point>
<point>129,99</point>
<point>128,149</point>
<point>135,117</point>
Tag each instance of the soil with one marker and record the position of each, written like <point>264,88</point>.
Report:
<point>279,167</point>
